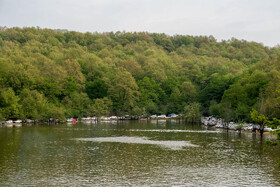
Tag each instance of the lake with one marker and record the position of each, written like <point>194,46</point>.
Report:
<point>135,153</point>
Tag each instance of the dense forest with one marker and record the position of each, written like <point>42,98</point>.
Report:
<point>58,74</point>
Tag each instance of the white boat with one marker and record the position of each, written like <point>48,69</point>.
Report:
<point>30,121</point>
<point>92,118</point>
<point>69,119</point>
<point>113,118</point>
<point>18,125</point>
<point>18,121</point>
<point>267,129</point>
<point>162,116</point>
<point>153,116</point>
<point>104,118</point>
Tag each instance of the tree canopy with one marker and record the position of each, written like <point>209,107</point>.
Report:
<point>52,73</point>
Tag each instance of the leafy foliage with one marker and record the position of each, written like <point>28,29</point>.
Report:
<point>192,112</point>
<point>55,73</point>
<point>102,107</point>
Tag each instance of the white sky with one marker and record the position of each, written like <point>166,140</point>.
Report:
<point>252,20</point>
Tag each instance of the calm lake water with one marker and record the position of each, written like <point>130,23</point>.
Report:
<point>163,153</point>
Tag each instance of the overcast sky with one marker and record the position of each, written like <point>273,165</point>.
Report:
<point>252,20</point>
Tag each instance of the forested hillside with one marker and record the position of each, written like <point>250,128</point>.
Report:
<point>54,73</point>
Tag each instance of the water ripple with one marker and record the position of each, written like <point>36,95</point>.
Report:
<point>174,145</point>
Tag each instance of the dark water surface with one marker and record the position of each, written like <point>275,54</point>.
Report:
<point>163,153</point>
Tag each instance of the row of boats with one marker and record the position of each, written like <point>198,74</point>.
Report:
<point>12,123</point>
<point>18,122</point>
<point>219,123</point>
<point>126,117</point>
<point>209,121</point>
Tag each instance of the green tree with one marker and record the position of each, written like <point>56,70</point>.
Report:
<point>96,89</point>
<point>214,90</point>
<point>215,108</point>
<point>70,69</point>
<point>69,86</point>
<point>102,107</point>
<point>9,104</point>
<point>192,112</point>
<point>34,105</point>
<point>189,92</point>
<point>260,119</point>
<point>52,90</point>
<point>123,91</point>
<point>56,112</point>
<point>77,105</point>
<point>149,91</point>
<point>175,101</point>
<point>151,108</point>
<point>137,112</point>
<point>226,112</point>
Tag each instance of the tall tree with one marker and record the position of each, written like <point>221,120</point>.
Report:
<point>97,89</point>
<point>34,105</point>
<point>192,112</point>
<point>9,102</point>
<point>102,107</point>
<point>123,91</point>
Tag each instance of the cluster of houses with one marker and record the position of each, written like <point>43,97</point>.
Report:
<point>219,123</point>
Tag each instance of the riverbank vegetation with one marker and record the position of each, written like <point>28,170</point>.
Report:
<point>57,74</point>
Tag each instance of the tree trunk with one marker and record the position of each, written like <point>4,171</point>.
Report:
<point>227,125</point>
<point>262,129</point>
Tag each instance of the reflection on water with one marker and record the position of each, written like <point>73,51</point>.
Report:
<point>172,130</point>
<point>175,145</point>
<point>134,154</point>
